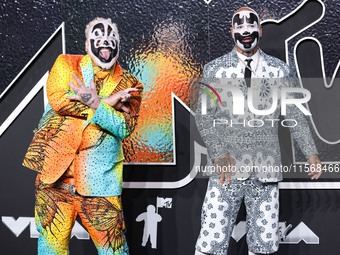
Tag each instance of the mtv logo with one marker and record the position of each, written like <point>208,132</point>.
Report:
<point>164,202</point>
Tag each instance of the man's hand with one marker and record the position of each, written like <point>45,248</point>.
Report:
<point>118,99</point>
<point>315,167</point>
<point>224,164</point>
<point>87,96</point>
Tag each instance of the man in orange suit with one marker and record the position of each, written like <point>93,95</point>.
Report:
<point>77,149</point>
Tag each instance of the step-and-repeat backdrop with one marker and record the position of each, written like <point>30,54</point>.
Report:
<point>166,44</point>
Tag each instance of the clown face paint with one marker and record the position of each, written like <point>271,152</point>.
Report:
<point>246,30</point>
<point>103,43</point>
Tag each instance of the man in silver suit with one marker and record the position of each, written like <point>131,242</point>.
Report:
<point>242,139</point>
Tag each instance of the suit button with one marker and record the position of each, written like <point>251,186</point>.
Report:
<point>77,152</point>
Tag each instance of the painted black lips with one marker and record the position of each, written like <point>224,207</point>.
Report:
<point>96,52</point>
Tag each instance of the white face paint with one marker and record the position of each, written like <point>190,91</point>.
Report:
<point>103,43</point>
<point>246,30</point>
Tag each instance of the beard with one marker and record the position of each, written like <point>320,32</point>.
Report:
<point>105,62</point>
<point>247,42</point>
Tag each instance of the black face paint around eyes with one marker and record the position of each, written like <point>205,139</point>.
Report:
<point>99,26</point>
<point>237,20</point>
<point>252,19</point>
<point>109,29</point>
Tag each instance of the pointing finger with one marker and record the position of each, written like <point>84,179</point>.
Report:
<point>232,162</point>
<point>72,86</point>
<point>93,85</point>
<point>222,178</point>
<point>228,177</point>
<point>73,98</point>
<point>78,80</point>
<point>128,90</point>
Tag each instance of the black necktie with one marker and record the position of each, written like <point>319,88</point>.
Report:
<point>247,72</point>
